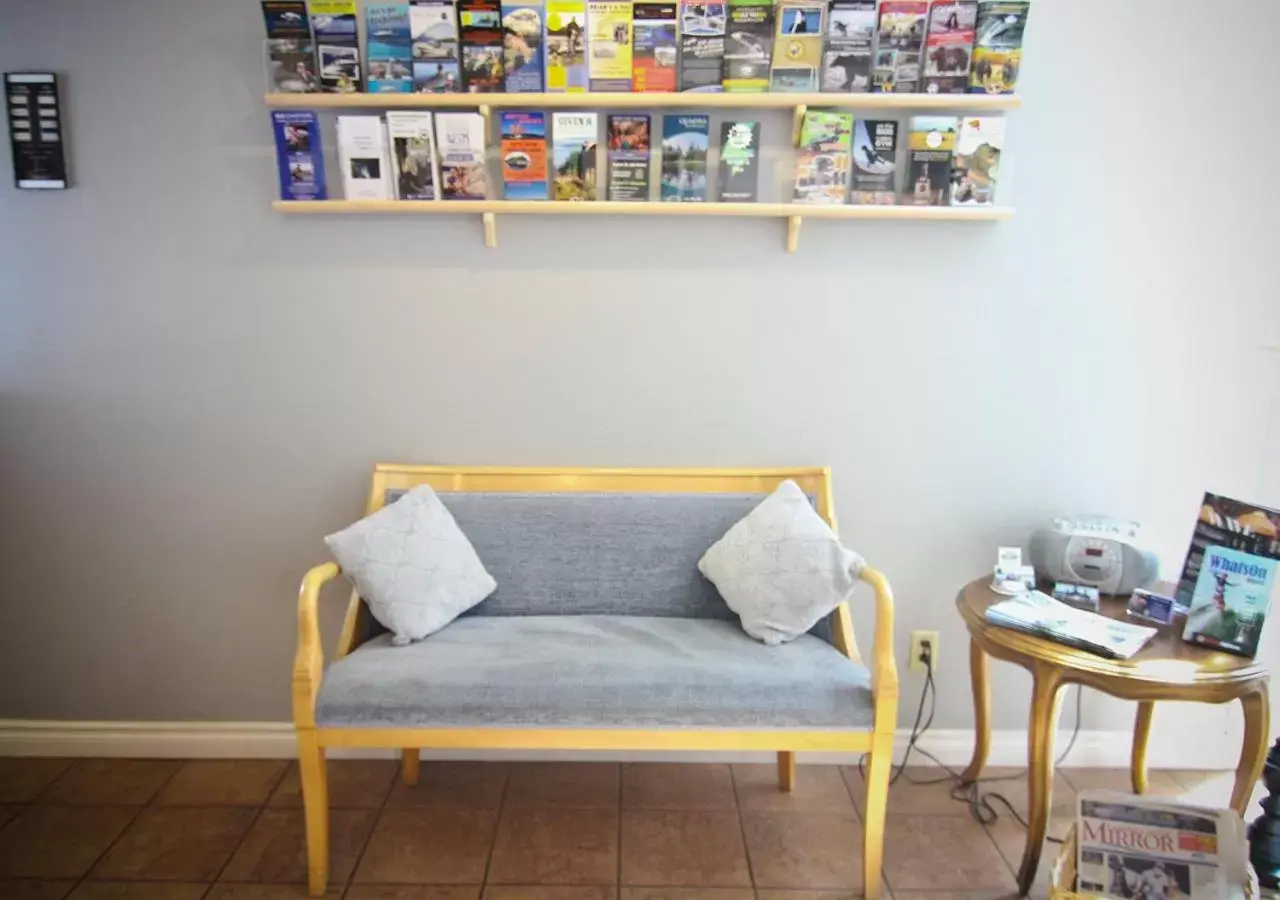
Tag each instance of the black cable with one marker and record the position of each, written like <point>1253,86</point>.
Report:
<point>980,804</point>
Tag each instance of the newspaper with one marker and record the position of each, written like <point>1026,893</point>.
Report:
<point>1134,847</point>
<point>1039,614</point>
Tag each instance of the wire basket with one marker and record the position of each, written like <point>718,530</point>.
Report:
<point>1064,875</point>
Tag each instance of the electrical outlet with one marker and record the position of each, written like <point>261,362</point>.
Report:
<point>919,640</point>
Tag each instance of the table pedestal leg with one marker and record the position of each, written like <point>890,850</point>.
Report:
<point>979,672</point>
<point>1257,721</point>
<point>1141,732</point>
<point>1044,720</point>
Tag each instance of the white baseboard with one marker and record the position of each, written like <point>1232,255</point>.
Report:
<point>274,740</point>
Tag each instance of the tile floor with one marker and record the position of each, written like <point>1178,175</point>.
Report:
<point>232,830</point>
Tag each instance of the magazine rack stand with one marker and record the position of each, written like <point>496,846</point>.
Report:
<point>793,213</point>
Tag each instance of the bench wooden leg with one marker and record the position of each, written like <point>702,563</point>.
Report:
<point>879,762</point>
<point>410,765</point>
<point>315,801</point>
<point>786,770</point>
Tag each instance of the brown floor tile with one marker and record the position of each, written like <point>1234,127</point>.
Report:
<point>21,780</point>
<point>817,789</point>
<point>353,784</point>
<point>59,841</point>
<point>961,855</point>
<point>565,785</point>
<point>816,895</point>
<point>35,890</point>
<point>223,782</point>
<point>1012,785</point>
<point>412,892</point>
<point>467,785</point>
<point>804,850</point>
<point>1159,783</point>
<point>908,797</point>
<point>96,782</point>
<point>677,786</point>
<point>956,895</point>
<point>678,893</point>
<point>687,848</point>
<point>176,844</point>
<point>1213,788</point>
<point>1010,838</point>
<point>549,892</point>
<point>138,890</point>
<point>556,846</point>
<point>428,846</point>
<point>266,892</point>
<point>7,813</point>
<point>275,849</point>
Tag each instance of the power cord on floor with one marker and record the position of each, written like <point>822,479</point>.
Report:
<point>979,803</point>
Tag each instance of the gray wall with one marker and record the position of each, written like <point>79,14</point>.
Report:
<point>193,389</point>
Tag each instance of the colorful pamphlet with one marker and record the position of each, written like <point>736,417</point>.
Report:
<point>362,151</point>
<point>413,155</point>
<point>739,162</point>
<point>434,25</point>
<point>462,169</point>
<point>875,162</point>
<point>977,161</point>
<point>685,140</point>
<point>609,47</point>
<point>628,158</point>
<point>291,58</point>
<point>931,144</point>
<point>702,45</point>
<point>390,48</point>
<point>299,156</point>
<point>524,155</point>
<point>823,158</point>
<point>797,46</point>
<point>566,46</point>
<point>653,66</point>
<point>899,43</point>
<point>1231,599</point>
<point>522,47</point>
<point>575,146</point>
<point>851,30</point>
<point>1223,522</point>
<point>337,37</point>
<point>480,33</point>
<point>949,46</point>
<point>997,47</point>
<point>748,45</point>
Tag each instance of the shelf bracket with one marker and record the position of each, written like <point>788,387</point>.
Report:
<point>797,122</point>
<point>490,230</point>
<point>793,232</point>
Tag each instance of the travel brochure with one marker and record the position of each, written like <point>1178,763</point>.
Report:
<point>839,159</point>
<point>531,46</point>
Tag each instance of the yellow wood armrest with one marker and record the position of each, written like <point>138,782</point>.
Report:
<point>884,668</point>
<point>308,664</point>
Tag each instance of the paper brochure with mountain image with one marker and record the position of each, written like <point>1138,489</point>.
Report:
<point>337,38</point>
<point>653,66</point>
<point>480,32</point>
<point>462,145</point>
<point>522,47</point>
<point>702,30</point>
<point>977,161</point>
<point>846,53</point>
<point>434,26</point>
<point>524,155</point>
<point>797,46</point>
<point>685,140</point>
<point>390,48</point>
<point>575,151</point>
<point>566,46</point>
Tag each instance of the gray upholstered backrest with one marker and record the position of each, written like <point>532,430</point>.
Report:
<point>598,554</point>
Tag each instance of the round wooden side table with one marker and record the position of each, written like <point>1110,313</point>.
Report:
<point>1166,669</point>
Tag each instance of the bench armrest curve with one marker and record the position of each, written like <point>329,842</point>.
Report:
<point>884,667</point>
<point>308,663</point>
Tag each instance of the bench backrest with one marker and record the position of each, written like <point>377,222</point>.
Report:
<point>591,541</point>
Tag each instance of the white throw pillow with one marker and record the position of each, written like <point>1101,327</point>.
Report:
<point>781,568</point>
<point>413,565</point>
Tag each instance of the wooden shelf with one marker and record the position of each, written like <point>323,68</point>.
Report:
<point>691,100</point>
<point>794,213</point>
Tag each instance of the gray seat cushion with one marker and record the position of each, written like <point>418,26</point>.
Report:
<point>596,671</point>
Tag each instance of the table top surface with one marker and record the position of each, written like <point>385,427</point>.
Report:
<point>1166,659</point>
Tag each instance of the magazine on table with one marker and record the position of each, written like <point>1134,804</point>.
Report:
<point>1134,847</point>
<point>1039,614</point>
